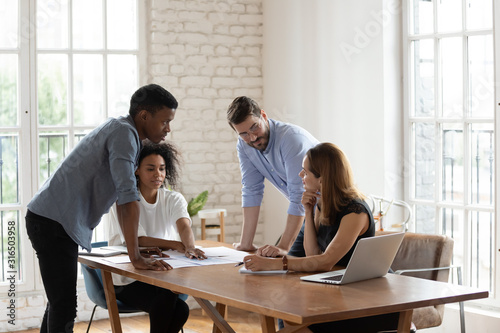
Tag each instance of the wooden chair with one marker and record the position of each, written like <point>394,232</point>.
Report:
<point>429,257</point>
<point>207,229</point>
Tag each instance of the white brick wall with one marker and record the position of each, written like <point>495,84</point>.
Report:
<point>206,53</point>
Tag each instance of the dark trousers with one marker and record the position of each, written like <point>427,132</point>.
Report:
<point>58,258</point>
<point>167,312</point>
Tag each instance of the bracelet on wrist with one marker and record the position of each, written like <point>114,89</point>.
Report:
<point>285,263</point>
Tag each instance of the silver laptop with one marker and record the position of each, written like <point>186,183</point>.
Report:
<point>372,258</point>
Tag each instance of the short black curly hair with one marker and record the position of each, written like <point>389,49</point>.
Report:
<point>151,98</point>
<point>171,156</point>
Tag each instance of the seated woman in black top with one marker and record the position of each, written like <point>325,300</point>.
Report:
<point>336,218</point>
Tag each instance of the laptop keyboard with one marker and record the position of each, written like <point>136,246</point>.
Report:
<point>333,278</point>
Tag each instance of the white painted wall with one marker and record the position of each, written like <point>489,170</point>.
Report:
<point>334,68</point>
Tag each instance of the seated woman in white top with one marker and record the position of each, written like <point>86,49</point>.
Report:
<point>164,223</point>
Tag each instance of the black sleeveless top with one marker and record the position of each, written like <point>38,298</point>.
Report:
<point>327,232</point>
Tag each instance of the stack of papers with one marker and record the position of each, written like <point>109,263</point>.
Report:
<point>215,256</point>
<point>100,252</point>
<point>247,271</point>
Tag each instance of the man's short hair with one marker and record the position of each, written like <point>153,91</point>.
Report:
<point>151,98</point>
<point>240,109</point>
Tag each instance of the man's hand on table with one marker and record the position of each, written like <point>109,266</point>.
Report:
<point>150,264</point>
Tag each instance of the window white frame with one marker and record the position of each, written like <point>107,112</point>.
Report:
<point>494,301</point>
<point>28,124</point>
<point>496,41</point>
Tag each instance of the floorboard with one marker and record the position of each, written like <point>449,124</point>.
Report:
<point>241,321</point>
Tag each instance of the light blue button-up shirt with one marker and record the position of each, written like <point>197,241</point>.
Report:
<point>98,172</point>
<point>280,163</point>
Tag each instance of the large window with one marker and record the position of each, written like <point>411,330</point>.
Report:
<point>450,129</point>
<point>65,66</point>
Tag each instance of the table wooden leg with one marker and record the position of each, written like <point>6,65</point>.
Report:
<point>221,309</point>
<point>216,314</point>
<point>203,229</point>
<point>109,291</point>
<point>268,324</point>
<point>404,323</point>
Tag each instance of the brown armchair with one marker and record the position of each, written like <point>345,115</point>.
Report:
<point>428,257</point>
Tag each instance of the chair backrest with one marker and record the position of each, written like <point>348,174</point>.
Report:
<point>419,251</point>
<point>424,251</point>
<point>94,287</point>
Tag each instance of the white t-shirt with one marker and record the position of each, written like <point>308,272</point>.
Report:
<point>155,220</point>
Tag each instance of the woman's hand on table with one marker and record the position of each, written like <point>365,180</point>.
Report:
<point>195,253</point>
<point>270,251</point>
<point>254,262</point>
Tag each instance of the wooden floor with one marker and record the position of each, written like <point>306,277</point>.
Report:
<point>241,321</point>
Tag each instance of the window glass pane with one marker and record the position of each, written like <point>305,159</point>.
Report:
<point>9,169</point>
<point>452,77</point>
<point>482,233</point>
<point>453,163</point>
<point>479,14</point>
<point>87,89</point>
<point>453,226</point>
<point>122,24</point>
<point>449,15</point>
<point>422,13</point>
<point>10,245</point>
<point>481,74</point>
<point>423,78</point>
<point>425,219</point>
<point>482,164</point>
<point>8,89</point>
<point>52,147</point>
<point>52,24</point>
<point>425,160</point>
<point>9,12</point>
<point>87,24</point>
<point>121,83</point>
<point>52,89</point>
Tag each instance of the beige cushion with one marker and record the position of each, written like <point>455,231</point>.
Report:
<point>425,251</point>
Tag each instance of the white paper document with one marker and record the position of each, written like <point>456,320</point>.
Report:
<point>247,271</point>
<point>215,256</point>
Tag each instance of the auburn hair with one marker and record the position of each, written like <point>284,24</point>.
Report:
<point>329,162</point>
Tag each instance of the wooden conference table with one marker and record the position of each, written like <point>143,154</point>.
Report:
<point>285,296</point>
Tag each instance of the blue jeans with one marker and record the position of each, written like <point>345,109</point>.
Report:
<point>58,258</point>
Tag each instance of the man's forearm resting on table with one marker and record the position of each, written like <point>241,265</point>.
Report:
<point>128,217</point>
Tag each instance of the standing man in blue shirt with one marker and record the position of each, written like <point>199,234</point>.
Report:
<point>273,150</point>
<point>98,172</point>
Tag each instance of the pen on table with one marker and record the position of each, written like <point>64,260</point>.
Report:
<point>240,263</point>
